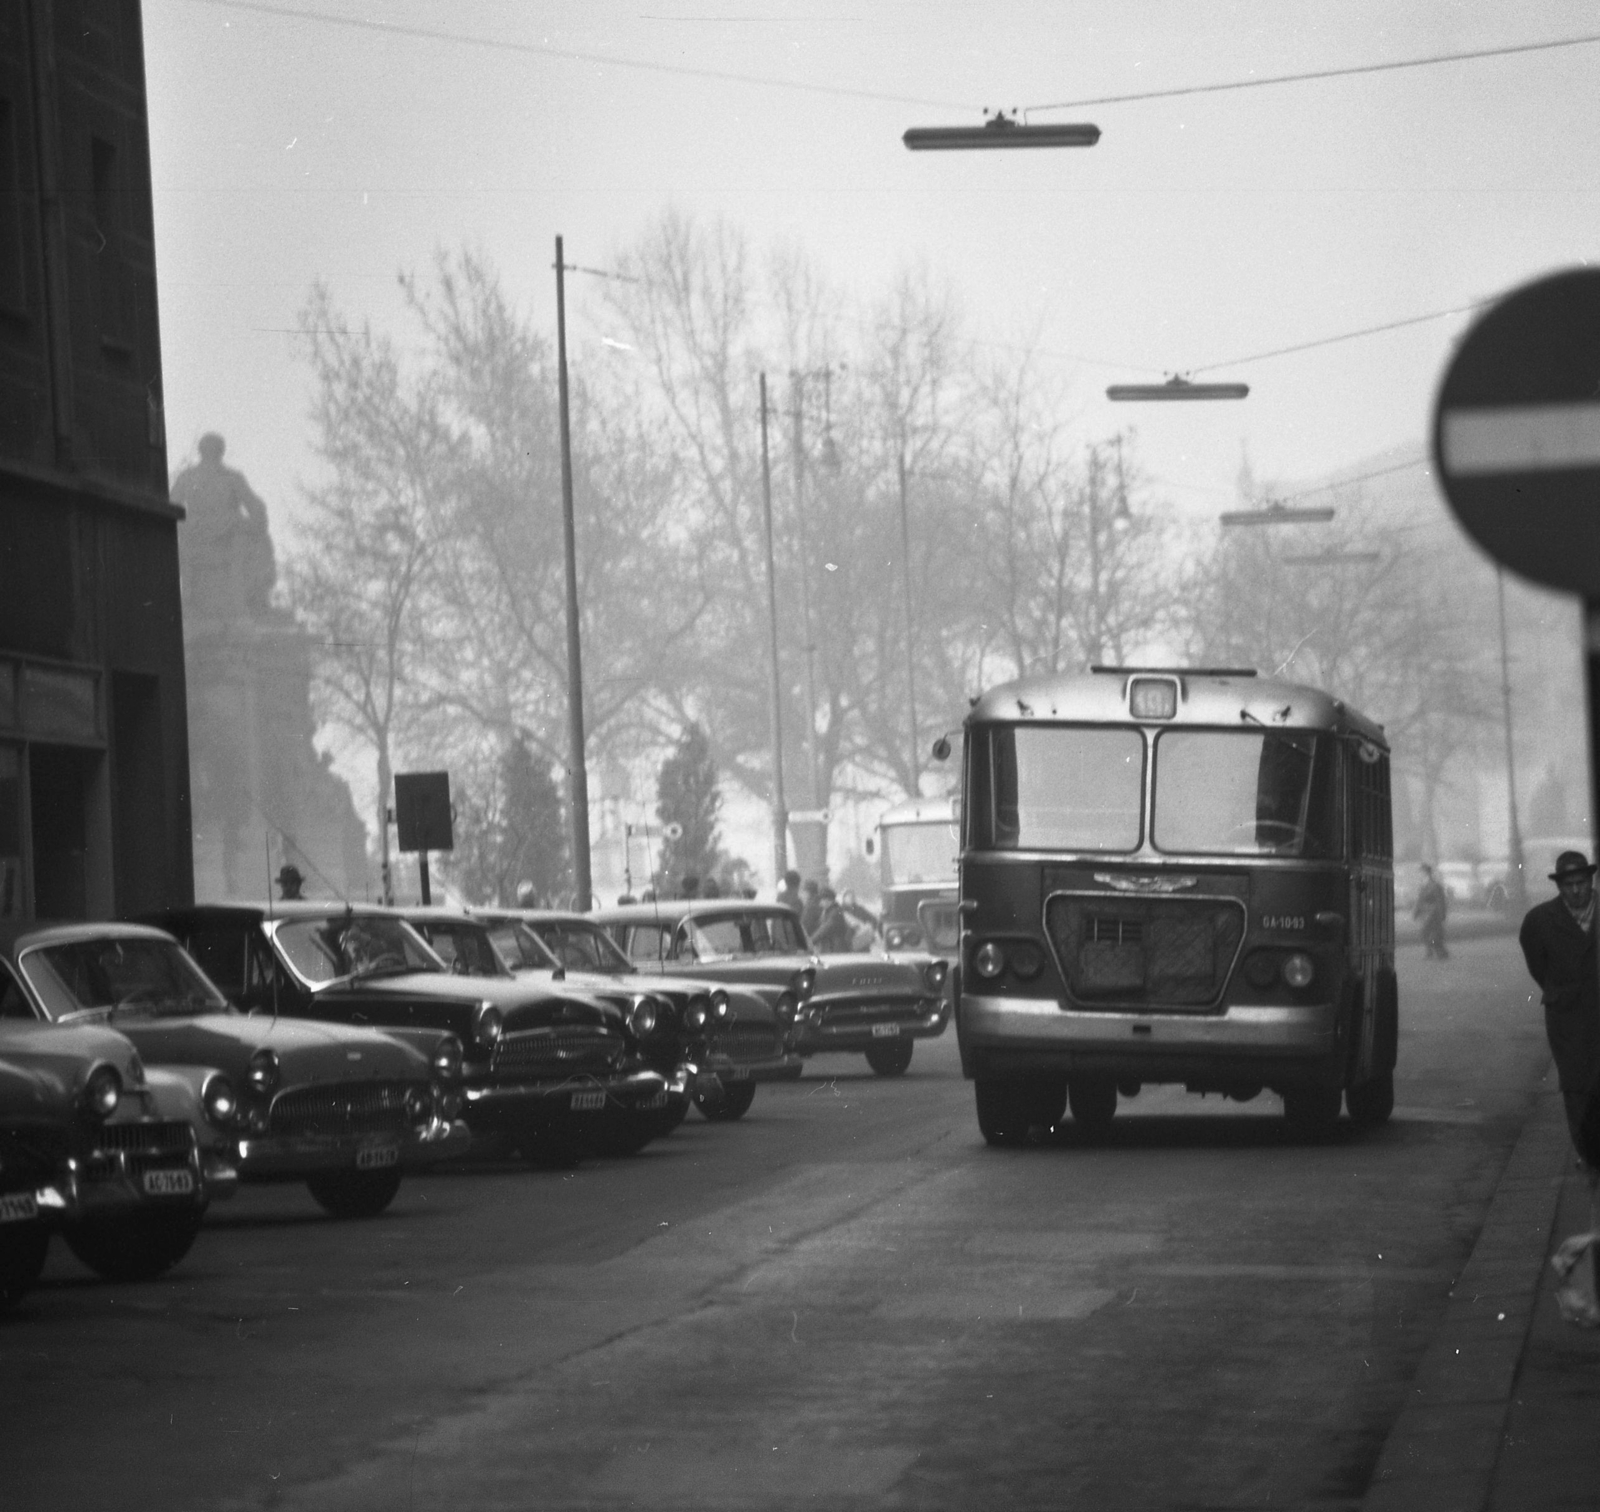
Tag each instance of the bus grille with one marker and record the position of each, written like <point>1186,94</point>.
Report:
<point>341,1108</point>
<point>1171,953</point>
<point>550,1052</point>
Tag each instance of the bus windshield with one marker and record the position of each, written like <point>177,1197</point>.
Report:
<point>919,853</point>
<point>1067,787</point>
<point>1245,793</point>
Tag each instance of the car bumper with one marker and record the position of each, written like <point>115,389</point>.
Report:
<point>277,1157</point>
<point>1011,1034</point>
<point>786,1067</point>
<point>514,1104</point>
<point>925,1019</point>
<point>78,1195</point>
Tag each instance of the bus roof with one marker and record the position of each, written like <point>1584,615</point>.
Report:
<point>921,811</point>
<point>1205,697</point>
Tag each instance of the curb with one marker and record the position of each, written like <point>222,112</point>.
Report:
<point>1441,1453</point>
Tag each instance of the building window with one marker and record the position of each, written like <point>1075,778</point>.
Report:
<point>13,284</point>
<point>110,276</point>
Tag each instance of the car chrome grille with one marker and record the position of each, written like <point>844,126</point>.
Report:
<point>557,1051</point>
<point>747,1040</point>
<point>167,1137</point>
<point>341,1108</point>
<point>1171,953</point>
<point>841,1017</point>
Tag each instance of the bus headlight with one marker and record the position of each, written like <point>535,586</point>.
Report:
<point>263,1073</point>
<point>989,960</point>
<point>103,1091</point>
<point>1298,969</point>
<point>1027,960</point>
<point>217,1097</point>
<point>446,1059</point>
<point>934,974</point>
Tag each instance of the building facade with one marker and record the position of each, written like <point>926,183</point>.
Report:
<point>94,783</point>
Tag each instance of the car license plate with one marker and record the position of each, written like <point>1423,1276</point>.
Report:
<point>588,1102</point>
<point>885,1031</point>
<point>653,1101</point>
<point>168,1183</point>
<point>376,1158</point>
<point>18,1207</point>
<point>738,1073</point>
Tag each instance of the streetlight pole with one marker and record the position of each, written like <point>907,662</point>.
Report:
<point>577,771</point>
<point>797,391</point>
<point>780,810</point>
<point>1516,882</point>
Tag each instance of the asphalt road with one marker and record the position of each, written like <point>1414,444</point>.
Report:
<point>846,1299</point>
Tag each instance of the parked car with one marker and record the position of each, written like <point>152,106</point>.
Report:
<point>121,1158</point>
<point>552,1069</point>
<point>345,1110</point>
<point>467,947</point>
<point>730,1036</point>
<point>877,1003</point>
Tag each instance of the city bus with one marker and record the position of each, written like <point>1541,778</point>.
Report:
<point>1174,876</point>
<point>917,844</point>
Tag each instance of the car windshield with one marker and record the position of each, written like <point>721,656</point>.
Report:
<point>1066,787</point>
<point>120,975</point>
<point>465,948</point>
<point>520,948</point>
<point>724,936</point>
<point>580,947</point>
<point>1245,793</point>
<point>916,853</point>
<point>324,950</point>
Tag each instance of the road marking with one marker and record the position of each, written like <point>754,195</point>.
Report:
<point>1520,438</point>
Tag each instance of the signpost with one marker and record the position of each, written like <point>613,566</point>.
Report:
<point>422,815</point>
<point>1516,448</point>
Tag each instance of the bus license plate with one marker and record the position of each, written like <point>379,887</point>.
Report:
<point>168,1183</point>
<point>588,1102</point>
<point>885,1031</point>
<point>18,1207</point>
<point>377,1158</point>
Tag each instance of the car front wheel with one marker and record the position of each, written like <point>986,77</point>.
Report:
<point>1371,1103</point>
<point>733,1104</point>
<point>22,1251</point>
<point>139,1247</point>
<point>355,1194</point>
<point>891,1059</point>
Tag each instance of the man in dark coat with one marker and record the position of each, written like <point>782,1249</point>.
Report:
<point>1558,941</point>
<point>1433,903</point>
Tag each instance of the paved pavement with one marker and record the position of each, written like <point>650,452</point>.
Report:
<point>1503,1411</point>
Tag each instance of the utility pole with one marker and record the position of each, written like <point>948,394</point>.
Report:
<point>797,392</point>
<point>1516,882</point>
<point>780,809</point>
<point>577,771</point>
<point>911,658</point>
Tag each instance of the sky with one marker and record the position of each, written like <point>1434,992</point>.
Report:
<point>1203,231</point>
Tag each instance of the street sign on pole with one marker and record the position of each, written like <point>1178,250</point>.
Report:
<point>1516,447</point>
<point>1516,431</point>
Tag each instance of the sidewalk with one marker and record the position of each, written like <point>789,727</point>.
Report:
<point>1504,1412</point>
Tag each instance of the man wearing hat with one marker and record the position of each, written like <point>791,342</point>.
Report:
<point>1558,941</point>
<point>290,882</point>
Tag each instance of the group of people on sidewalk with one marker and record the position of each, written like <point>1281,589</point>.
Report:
<point>1558,943</point>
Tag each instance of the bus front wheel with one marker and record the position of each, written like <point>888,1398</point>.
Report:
<point>1009,1107</point>
<point>1311,1111</point>
<point>1093,1100</point>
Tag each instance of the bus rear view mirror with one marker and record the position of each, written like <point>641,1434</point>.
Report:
<point>941,748</point>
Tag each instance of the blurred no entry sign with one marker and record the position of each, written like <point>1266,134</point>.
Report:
<point>1516,431</point>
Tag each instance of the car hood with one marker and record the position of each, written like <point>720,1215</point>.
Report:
<point>27,1097</point>
<point>65,1054</point>
<point>525,1002</point>
<point>307,1050</point>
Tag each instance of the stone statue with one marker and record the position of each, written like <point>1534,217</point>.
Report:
<point>228,565</point>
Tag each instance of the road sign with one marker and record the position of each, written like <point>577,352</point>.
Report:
<point>422,811</point>
<point>1516,431</point>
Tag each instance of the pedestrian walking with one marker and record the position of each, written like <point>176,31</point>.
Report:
<point>789,892</point>
<point>810,907</point>
<point>1558,943</point>
<point>834,933</point>
<point>1433,903</point>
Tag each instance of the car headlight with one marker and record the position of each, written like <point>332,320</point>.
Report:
<point>103,1091</point>
<point>989,960</point>
<point>488,1025</point>
<point>219,1100</point>
<point>446,1059</point>
<point>1298,969</point>
<point>263,1074</point>
<point>642,1016</point>
<point>785,1007</point>
<point>419,1105</point>
<point>934,974</point>
<point>698,1011</point>
<point>721,1008</point>
<point>804,983</point>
